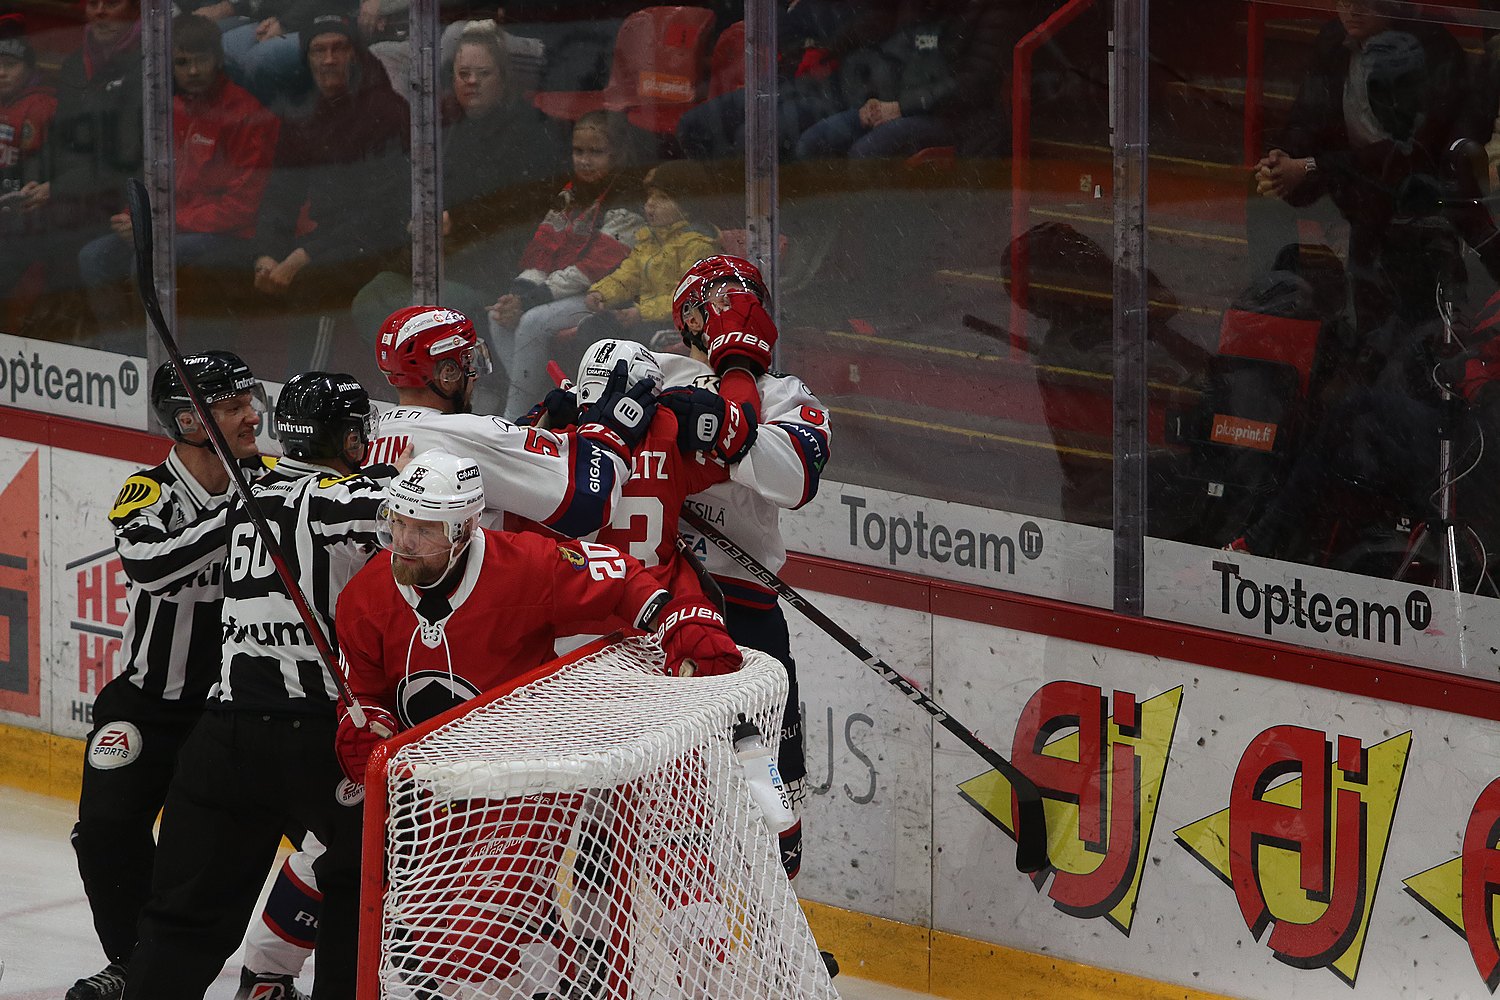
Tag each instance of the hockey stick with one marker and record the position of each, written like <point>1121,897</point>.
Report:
<point>1031,820</point>
<point>140,229</point>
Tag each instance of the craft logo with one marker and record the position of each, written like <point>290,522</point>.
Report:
<point>1462,893</point>
<point>20,591</point>
<point>101,606</point>
<point>1100,775</point>
<point>1303,841</point>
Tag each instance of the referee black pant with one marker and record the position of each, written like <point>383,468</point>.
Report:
<point>244,777</point>
<point>122,793</point>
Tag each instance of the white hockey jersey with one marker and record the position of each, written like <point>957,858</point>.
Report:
<point>569,483</point>
<point>782,469</point>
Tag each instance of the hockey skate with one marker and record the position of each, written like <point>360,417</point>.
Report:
<point>267,987</point>
<point>106,984</point>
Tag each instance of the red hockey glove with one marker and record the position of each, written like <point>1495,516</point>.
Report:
<point>621,417</point>
<point>740,335</point>
<point>707,421</point>
<point>692,629</point>
<point>354,745</point>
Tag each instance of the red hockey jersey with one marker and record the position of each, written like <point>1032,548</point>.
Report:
<point>419,652</point>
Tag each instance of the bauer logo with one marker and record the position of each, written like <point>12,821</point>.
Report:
<point>114,745</point>
<point>1278,608</point>
<point>349,793</point>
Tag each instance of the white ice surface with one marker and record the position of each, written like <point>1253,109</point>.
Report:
<point>47,938</point>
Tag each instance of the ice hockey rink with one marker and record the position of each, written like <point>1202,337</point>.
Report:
<point>47,940</point>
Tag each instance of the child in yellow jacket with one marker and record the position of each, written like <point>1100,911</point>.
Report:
<point>635,299</point>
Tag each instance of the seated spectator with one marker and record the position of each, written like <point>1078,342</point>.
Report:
<point>634,300</point>
<point>26,110</point>
<point>587,233</point>
<point>264,53</point>
<point>813,36</point>
<point>495,153</point>
<point>223,145</point>
<point>939,80</point>
<point>341,162</point>
<point>94,145</point>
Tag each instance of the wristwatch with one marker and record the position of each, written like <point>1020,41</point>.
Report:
<point>1310,165</point>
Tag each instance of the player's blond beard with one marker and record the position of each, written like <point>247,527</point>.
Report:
<point>415,574</point>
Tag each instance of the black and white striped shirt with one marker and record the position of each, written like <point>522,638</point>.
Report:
<point>324,524</point>
<point>172,639</point>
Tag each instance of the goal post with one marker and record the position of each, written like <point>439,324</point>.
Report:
<point>584,833</point>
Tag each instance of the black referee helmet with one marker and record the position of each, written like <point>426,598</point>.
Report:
<point>217,375</point>
<point>316,411</point>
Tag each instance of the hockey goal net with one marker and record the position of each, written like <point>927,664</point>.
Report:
<point>585,835</point>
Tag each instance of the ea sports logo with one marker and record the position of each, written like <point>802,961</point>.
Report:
<point>349,793</point>
<point>114,745</point>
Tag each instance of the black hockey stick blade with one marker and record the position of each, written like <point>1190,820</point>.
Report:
<point>140,229</point>
<point>1030,816</point>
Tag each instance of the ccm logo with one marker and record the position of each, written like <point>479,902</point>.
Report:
<point>741,337</point>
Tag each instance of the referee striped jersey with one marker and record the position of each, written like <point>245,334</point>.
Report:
<point>171,639</point>
<point>325,524</point>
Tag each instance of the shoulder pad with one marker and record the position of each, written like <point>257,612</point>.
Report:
<point>140,492</point>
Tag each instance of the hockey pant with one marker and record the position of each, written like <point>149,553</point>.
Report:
<point>765,629</point>
<point>128,765</point>
<point>244,777</point>
<point>279,943</point>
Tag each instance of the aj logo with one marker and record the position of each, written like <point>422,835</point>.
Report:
<point>1463,892</point>
<point>1101,777</point>
<point>1303,841</point>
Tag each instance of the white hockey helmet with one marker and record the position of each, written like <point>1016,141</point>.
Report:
<point>435,487</point>
<point>599,362</point>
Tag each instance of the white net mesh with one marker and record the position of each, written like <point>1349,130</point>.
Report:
<point>591,836</point>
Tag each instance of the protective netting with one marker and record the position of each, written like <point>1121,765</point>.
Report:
<point>591,836</point>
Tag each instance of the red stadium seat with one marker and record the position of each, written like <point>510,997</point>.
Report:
<point>726,72</point>
<point>660,59</point>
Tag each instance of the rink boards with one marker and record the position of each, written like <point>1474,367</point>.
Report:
<point>1230,816</point>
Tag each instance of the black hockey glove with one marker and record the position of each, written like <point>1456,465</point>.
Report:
<point>707,421</point>
<point>621,416</point>
<point>559,409</point>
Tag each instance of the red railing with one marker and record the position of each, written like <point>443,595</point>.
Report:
<point>1020,178</point>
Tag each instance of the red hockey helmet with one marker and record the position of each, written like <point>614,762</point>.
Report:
<point>708,275</point>
<point>414,341</point>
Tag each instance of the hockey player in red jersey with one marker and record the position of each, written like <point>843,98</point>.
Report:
<point>448,611</point>
<point>720,312</point>
<point>566,480</point>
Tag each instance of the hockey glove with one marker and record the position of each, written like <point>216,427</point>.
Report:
<point>707,421</point>
<point>693,630</point>
<point>621,417</point>
<point>740,335</point>
<point>354,745</point>
<point>557,410</point>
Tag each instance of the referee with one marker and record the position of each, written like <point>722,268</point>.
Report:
<point>171,644</point>
<point>261,759</point>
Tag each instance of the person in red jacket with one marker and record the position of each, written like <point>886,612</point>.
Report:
<point>223,143</point>
<point>588,233</point>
